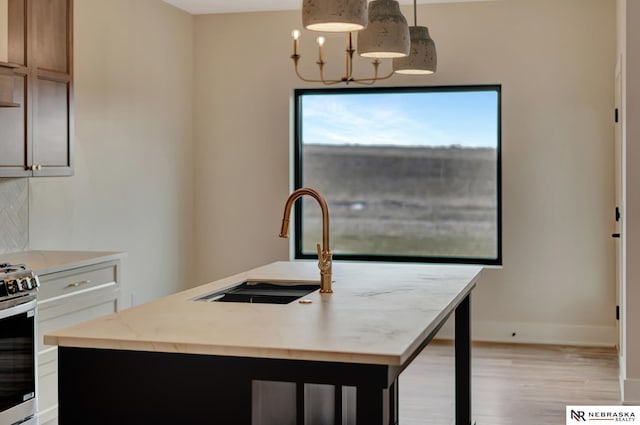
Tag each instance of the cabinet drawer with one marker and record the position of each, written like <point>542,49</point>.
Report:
<point>59,315</point>
<point>67,283</point>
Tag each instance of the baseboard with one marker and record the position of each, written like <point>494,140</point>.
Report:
<point>630,391</point>
<point>537,333</point>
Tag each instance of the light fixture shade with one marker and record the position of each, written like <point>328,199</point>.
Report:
<point>387,34</point>
<point>334,15</point>
<point>422,58</point>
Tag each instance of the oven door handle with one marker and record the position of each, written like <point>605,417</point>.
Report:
<point>17,308</point>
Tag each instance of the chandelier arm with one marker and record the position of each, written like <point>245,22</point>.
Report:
<point>371,80</point>
<point>311,80</point>
<point>324,80</point>
<point>364,82</point>
<point>332,82</point>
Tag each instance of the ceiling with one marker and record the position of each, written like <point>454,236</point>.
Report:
<point>199,7</point>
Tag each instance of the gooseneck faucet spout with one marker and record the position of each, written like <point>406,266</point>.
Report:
<point>324,254</point>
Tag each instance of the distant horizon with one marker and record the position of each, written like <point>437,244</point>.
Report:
<point>395,119</point>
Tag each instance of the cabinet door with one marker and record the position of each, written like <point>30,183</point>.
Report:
<point>51,78</point>
<point>15,50</point>
<point>14,134</point>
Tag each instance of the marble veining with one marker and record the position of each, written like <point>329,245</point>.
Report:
<point>365,320</point>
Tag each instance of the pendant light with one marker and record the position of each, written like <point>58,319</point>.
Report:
<point>422,58</point>
<point>387,34</point>
<point>334,15</point>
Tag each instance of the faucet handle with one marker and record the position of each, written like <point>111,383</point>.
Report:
<point>324,259</point>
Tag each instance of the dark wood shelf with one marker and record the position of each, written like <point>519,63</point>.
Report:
<point>6,89</point>
<point>9,104</point>
<point>9,65</point>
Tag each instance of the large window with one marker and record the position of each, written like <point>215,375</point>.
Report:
<point>409,173</point>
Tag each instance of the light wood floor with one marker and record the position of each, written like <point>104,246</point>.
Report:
<point>511,384</point>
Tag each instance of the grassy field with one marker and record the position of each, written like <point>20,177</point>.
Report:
<point>403,201</point>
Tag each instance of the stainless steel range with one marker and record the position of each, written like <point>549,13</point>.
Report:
<point>18,287</point>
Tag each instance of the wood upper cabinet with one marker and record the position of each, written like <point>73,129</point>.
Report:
<point>36,137</point>
<point>13,66</point>
<point>52,69</point>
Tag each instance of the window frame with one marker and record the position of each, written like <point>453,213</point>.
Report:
<point>298,165</point>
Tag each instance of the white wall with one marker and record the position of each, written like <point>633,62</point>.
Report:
<point>555,61</point>
<point>242,134</point>
<point>628,44</point>
<point>133,184</point>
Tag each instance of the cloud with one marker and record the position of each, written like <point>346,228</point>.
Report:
<point>329,121</point>
<point>388,120</point>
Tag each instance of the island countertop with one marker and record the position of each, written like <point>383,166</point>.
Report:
<point>379,313</point>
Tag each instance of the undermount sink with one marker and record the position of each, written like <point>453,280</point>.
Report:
<point>262,292</point>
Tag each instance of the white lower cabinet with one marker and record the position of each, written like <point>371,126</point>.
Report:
<point>66,298</point>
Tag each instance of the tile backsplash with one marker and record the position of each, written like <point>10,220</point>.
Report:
<point>14,215</point>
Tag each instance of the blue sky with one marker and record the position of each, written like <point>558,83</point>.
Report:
<point>401,119</point>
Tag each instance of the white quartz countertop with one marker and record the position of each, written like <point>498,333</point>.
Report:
<point>45,262</point>
<point>379,313</point>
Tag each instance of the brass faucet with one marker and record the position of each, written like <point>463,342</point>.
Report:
<point>324,254</point>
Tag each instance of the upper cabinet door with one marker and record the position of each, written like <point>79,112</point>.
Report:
<point>52,35</point>
<point>13,133</point>
<point>51,69</point>
<point>15,138</point>
<point>13,32</point>
<point>36,80</point>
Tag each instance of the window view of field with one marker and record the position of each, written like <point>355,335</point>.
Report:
<point>429,193</point>
<point>403,201</point>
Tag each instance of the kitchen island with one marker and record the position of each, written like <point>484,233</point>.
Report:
<point>177,360</point>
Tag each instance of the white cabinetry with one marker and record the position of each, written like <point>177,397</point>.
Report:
<point>66,298</point>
